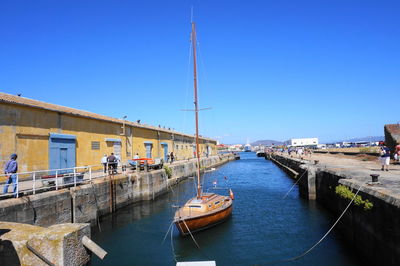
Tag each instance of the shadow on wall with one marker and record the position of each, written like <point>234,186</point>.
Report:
<point>8,254</point>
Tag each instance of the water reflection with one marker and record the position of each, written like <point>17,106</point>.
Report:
<point>264,227</point>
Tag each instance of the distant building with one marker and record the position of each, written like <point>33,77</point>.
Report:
<point>236,147</point>
<point>301,142</point>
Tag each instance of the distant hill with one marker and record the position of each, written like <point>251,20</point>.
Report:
<point>266,142</point>
<point>369,138</point>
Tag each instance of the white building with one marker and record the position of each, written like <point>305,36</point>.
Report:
<point>302,142</point>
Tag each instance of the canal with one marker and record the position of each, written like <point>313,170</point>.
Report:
<point>264,227</point>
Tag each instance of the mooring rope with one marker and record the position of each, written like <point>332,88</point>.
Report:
<point>297,181</point>
<point>194,240</point>
<point>169,228</point>
<point>326,234</point>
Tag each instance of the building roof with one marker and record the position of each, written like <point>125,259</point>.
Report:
<point>393,128</point>
<point>12,99</point>
<point>394,131</point>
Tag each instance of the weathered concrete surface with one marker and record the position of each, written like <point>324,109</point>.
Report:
<point>87,202</point>
<point>392,136</point>
<point>303,172</point>
<point>43,209</point>
<point>60,244</point>
<point>374,233</point>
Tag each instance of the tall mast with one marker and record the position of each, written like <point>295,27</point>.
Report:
<point>196,108</point>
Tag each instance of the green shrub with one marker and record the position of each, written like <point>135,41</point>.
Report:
<point>168,171</point>
<point>346,193</point>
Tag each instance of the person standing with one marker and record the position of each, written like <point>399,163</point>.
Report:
<point>10,169</point>
<point>385,157</point>
<point>104,162</point>
<point>136,159</point>
<point>300,152</point>
<point>397,153</point>
<point>171,156</point>
<point>112,161</point>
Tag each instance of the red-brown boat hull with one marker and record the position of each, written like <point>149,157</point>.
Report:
<point>203,222</point>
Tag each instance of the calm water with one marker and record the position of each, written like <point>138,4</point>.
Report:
<point>264,228</point>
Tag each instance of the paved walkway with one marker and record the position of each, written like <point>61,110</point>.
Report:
<point>357,170</point>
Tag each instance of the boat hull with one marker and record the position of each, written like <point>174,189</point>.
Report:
<point>202,222</point>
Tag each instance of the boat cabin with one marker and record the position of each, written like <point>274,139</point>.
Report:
<point>208,202</point>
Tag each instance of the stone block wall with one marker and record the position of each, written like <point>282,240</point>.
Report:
<point>43,209</point>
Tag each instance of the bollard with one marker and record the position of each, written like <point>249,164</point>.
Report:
<point>93,247</point>
<point>374,177</point>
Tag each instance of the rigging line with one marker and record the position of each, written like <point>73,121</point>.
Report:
<point>172,245</point>
<point>169,228</point>
<point>211,93</point>
<point>187,87</point>
<point>297,181</point>
<point>194,240</point>
<point>326,234</point>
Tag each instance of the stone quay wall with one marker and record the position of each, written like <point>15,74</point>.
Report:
<point>373,233</point>
<point>87,202</point>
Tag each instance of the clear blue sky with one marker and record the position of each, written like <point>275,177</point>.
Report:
<point>270,69</point>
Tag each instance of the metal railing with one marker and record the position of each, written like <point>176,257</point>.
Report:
<point>53,179</point>
<point>34,182</point>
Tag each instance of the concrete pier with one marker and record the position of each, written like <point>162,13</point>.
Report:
<point>61,244</point>
<point>374,232</point>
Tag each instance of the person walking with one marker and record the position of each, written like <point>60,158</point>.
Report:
<point>385,157</point>
<point>104,162</point>
<point>10,169</point>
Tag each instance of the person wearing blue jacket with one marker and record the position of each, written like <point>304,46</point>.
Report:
<point>10,169</point>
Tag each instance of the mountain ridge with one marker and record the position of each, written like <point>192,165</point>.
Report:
<point>266,142</point>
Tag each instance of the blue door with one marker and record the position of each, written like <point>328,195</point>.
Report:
<point>165,146</point>
<point>63,158</point>
<point>62,150</point>
<point>148,150</point>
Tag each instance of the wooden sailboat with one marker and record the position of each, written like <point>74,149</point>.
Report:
<point>205,209</point>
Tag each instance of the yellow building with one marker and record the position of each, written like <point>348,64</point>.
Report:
<point>49,136</point>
